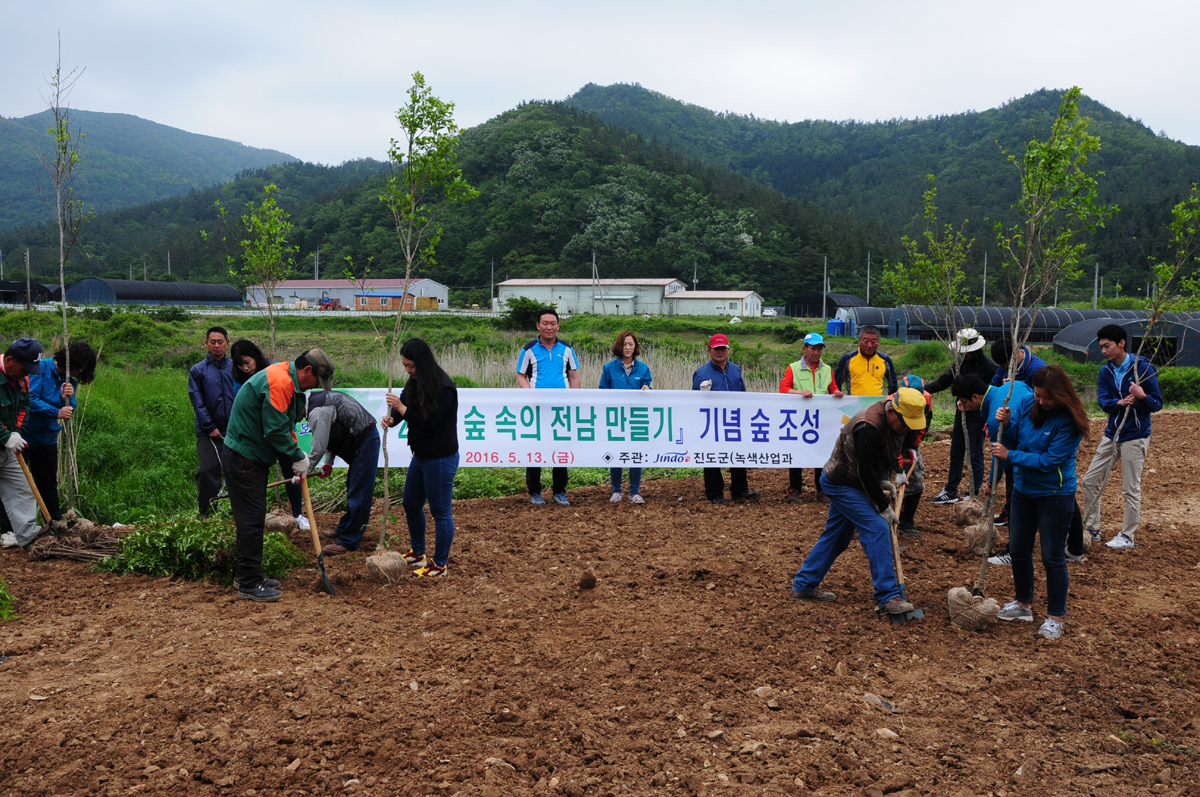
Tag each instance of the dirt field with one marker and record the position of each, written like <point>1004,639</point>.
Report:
<point>686,670</point>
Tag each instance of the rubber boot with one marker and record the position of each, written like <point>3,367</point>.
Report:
<point>908,511</point>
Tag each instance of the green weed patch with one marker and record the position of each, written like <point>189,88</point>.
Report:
<point>8,604</point>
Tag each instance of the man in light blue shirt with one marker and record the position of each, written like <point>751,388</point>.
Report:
<point>547,362</point>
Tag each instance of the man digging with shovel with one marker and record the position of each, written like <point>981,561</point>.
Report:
<point>864,455</point>
<point>262,425</point>
<point>20,360</point>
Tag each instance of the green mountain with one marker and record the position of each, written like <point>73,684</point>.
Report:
<point>125,161</point>
<point>876,171</point>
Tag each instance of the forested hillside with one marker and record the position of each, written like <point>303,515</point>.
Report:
<point>555,185</point>
<point>126,161</point>
<point>876,170</point>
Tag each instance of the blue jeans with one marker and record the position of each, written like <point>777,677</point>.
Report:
<point>432,480</point>
<point>635,480</point>
<point>851,509</point>
<point>975,438</point>
<point>360,492</point>
<point>1051,515</point>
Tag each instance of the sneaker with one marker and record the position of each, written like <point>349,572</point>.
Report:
<point>1097,535</point>
<point>561,499</point>
<point>1051,629</point>
<point>1002,519</point>
<point>815,595</point>
<point>944,498</point>
<point>414,559</point>
<point>750,496</point>
<point>1001,559</point>
<point>616,498</point>
<point>792,497</point>
<point>1075,557</point>
<point>8,540</point>
<point>269,583</point>
<point>896,606</point>
<point>260,594</point>
<point>909,531</point>
<point>1120,541</point>
<point>429,570</point>
<point>1015,611</point>
<point>718,501</point>
<point>537,500</point>
<point>302,522</point>
<point>636,499</point>
<point>821,499</point>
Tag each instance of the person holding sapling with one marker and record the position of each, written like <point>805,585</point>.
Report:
<point>211,390</point>
<point>262,425</point>
<point>970,344</point>
<point>341,427</point>
<point>248,360</point>
<point>20,360</point>
<point>808,377</point>
<point>721,375</point>
<point>626,372</point>
<point>52,399</point>
<point>1043,492</point>
<point>1127,390</point>
<point>429,403</point>
<point>1028,364</point>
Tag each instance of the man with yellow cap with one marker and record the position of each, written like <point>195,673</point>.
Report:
<point>854,479</point>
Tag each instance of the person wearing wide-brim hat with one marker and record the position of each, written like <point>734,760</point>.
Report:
<point>970,344</point>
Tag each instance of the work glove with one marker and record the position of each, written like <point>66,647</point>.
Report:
<point>889,515</point>
<point>326,467</point>
<point>300,470</point>
<point>16,443</point>
<point>901,480</point>
<point>887,487</point>
<point>706,384</point>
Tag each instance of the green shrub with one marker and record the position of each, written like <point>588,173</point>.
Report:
<point>522,313</point>
<point>196,550</point>
<point>928,359</point>
<point>8,604</point>
<point>790,333</point>
<point>1179,385</point>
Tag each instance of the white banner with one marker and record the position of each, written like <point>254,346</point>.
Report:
<point>626,428</point>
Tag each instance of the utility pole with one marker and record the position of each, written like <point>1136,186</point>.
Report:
<point>1096,286</point>
<point>492,288</point>
<point>983,302</point>
<point>168,262</point>
<point>694,270</point>
<point>825,288</point>
<point>1056,294</point>
<point>317,264</point>
<point>28,298</point>
<point>1,264</point>
<point>868,278</point>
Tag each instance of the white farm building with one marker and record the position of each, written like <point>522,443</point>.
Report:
<point>658,296</point>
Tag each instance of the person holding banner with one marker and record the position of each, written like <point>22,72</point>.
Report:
<point>720,374</point>
<point>626,372</point>
<point>547,362</point>
<point>866,450</point>
<point>808,377</point>
<point>341,427</point>
<point>429,403</point>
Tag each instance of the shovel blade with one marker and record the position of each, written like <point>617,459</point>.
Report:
<point>325,582</point>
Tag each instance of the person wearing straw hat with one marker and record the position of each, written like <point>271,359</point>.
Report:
<point>970,344</point>
<point>853,479</point>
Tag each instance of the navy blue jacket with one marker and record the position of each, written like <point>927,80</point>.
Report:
<point>613,377</point>
<point>730,379</point>
<point>1108,393</point>
<point>1025,370</point>
<point>211,389</point>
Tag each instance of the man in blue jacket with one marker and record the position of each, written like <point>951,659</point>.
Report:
<point>1128,391</point>
<point>211,390</point>
<point>51,400</point>
<point>720,374</point>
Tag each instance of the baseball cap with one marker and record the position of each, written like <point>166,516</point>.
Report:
<point>718,340</point>
<point>913,381</point>
<point>911,406</point>
<point>322,366</point>
<point>967,340</point>
<point>26,351</point>
<point>813,339</point>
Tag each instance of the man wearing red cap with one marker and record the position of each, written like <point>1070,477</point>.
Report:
<point>720,374</point>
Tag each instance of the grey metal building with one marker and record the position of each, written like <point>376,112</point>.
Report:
<point>199,294</point>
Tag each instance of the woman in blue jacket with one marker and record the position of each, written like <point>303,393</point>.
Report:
<point>1048,439</point>
<point>626,372</point>
<point>52,399</point>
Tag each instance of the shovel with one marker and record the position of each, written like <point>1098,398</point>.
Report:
<point>916,613</point>
<point>312,525</point>
<point>51,525</point>
<point>269,486</point>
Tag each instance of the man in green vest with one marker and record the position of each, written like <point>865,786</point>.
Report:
<point>808,377</point>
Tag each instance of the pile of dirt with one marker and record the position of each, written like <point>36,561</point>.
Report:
<point>686,668</point>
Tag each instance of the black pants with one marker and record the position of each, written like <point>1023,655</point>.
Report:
<point>211,460</point>
<point>247,485</point>
<point>714,483</point>
<point>43,464</point>
<point>796,479</point>
<point>558,480</point>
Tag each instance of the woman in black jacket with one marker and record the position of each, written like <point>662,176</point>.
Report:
<point>429,403</point>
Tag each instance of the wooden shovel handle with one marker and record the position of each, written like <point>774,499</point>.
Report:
<point>29,478</point>
<point>312,520</point>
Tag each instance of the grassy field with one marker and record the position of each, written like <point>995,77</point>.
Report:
<point>136,435</point>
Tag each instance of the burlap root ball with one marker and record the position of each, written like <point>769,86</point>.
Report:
<point>972,612</point>
<point>386,567</point>
<point>279,521</point>
<point>968,511</point>
<point>976,537</point>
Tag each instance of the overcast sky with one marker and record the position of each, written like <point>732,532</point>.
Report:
<point>322,80</point>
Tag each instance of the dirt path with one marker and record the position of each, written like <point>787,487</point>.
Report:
<point>686,670</point>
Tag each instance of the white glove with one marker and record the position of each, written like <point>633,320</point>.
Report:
<point>890,516</point>
<point>299,469</point>
<point>901,480</point>
<point>706,384</point>
<point>16,442</point>
<point>887,487</point>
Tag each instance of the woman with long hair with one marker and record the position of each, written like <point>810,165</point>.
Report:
<point>248,360</point>
<point>626,372</point>
<point>1043,460</point>
<point>429,403</point>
